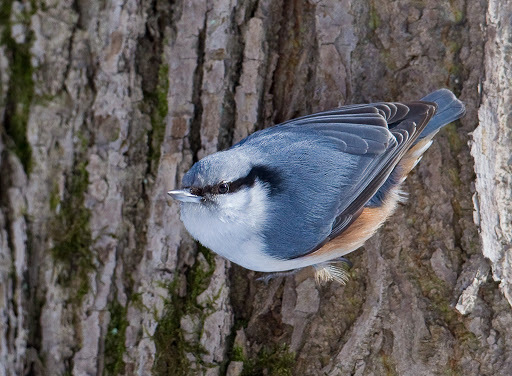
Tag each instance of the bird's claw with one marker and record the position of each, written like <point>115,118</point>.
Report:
<point>268,276</point>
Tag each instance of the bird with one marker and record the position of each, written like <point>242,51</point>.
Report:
<point>308,191</point>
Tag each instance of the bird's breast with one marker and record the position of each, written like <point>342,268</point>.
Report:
<point>233,226</point>
<point>236,241</point>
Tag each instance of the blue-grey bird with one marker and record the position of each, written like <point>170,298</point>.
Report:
<point>312,189</point>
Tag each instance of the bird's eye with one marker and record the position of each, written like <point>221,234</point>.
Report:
<point>223,188</point>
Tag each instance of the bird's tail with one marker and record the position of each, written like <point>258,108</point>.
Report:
<point>449,109</point>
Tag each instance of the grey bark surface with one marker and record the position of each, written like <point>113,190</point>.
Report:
<point>105,105</point>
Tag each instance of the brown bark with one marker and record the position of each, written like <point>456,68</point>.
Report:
<point>104,106</point>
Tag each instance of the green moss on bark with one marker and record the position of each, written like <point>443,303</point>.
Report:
<point>374,19</point>
<point>273,361</point>
<point>20,91</point>
<point>237,354</point>
<point>454,139</point>
<point>439,295</point>
<point>71,235</point>
<point>115,339</point>
<point>157,102</point>
<point>171,346</point>
<point>388,364</point>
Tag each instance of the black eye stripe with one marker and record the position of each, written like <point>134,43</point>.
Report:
<point>261,173</point>
<point>264,174</point>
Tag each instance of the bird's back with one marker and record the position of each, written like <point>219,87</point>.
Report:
<point>317,169</point>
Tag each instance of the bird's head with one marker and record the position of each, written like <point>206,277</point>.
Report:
<point>226,187</point>
<point>213,180</point>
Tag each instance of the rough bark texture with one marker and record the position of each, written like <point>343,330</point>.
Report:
<point>105,104</point>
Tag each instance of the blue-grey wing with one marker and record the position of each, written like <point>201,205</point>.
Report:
<point>333,162</point>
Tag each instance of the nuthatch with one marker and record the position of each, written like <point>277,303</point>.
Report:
<point>310,190</point>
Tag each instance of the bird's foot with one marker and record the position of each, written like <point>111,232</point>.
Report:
<point>268,276</point>
<point>333,270</point>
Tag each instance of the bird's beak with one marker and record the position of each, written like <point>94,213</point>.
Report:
<point>184,195</point>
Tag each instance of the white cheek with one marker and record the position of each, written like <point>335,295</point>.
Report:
<point>233,227</point>
<point>243,208</point>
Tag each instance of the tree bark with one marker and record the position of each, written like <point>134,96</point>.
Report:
<point>105,105</point>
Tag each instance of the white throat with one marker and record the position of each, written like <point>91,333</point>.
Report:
<point>232,226</point>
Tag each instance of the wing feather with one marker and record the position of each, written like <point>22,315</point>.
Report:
<point>405,134</point>
<point>360,143</point>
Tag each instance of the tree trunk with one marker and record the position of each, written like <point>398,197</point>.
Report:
<point>105,104</point>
